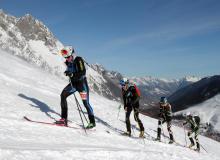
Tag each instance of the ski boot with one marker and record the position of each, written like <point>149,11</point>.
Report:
<point>61,122</point>
<point>90,125</point>
<point>171,141</point>
<point>191,145</point>
<point>197,150</point>
<point>158,139</point>
<point>197,147</point>
<point>127,134</point>
<point>141,135</point>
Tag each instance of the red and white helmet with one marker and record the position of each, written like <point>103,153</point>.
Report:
<point>67,51</point>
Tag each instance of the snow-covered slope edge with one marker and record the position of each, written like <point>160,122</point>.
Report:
<point>26,90</point>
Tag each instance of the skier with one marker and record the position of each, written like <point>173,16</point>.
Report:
<point>194,122</point>
<point>77,73</point>
<point>131,96</point>
<point>165,115</point>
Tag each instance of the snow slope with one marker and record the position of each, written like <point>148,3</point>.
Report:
<point>27,90</point>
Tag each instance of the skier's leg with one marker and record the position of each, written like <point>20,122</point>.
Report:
<point>160,121</point>
<point>191,139</point>
<point>84,94</point>
<point>169,124</point>
<point>197,140</point>
<point>137,119</point>
<point>68,90</point>
<point>127,119</point>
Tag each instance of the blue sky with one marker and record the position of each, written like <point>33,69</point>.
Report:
<point>158,38</point>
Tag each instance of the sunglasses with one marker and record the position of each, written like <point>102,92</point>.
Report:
<point>64,53</point>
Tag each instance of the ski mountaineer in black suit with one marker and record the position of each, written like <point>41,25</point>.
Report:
<point>194,122</point>
<point>131,102</point>
<point>77,73</point>
<point>165,115</point>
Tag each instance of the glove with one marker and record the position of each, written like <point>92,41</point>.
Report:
<point>68,73</point>
<point>125,108</point>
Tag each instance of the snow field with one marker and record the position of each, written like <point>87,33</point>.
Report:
<point>29,91</point>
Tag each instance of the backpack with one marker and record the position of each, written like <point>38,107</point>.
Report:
<point>197,120</point>
<point>137,90</point>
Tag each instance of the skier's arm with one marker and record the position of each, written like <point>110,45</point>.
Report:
<point>160,111</point>
<point>186,121</point>
<point>194,124</point>
<point>124,97</point>
<point>68,71</point>
<point>169,110</point>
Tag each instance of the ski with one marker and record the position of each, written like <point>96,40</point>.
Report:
<point>131,136</point>
<point>174,143</point>
<point>49,123</point>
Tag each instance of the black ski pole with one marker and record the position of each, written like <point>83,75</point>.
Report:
<point>78,109</point>
<point>80,115</point>
<point>204,148</point>
<point>81,109</point>
<point>86,62</point>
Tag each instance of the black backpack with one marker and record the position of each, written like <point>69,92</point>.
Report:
<point>197,120</point>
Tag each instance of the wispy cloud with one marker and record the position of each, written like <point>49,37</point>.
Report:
<point>170,32</point>
<point>93,3</point>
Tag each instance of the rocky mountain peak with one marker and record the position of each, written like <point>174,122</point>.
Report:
<point>33,29</point>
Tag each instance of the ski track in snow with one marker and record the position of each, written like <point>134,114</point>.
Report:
<point>29,91</point>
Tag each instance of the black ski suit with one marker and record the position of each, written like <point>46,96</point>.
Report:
<point>131,102</point>
<point>194,122</point>
<point>77,71</point>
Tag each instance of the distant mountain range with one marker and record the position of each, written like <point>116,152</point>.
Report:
<point>154,88</point>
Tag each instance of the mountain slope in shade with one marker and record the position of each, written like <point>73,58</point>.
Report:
<point>195,93</point>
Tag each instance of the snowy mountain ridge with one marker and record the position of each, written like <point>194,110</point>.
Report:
<point>154,88</point>
<point>146,79</point>
<point>29,39</point>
